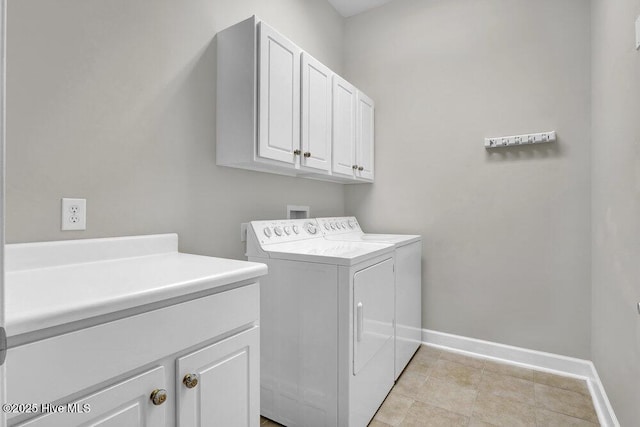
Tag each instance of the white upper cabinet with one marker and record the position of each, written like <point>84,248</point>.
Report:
<point>279,96</point>
<point>279,110</point>
<point>364,137</point>
<point>316,115</point>
<point>344,127</point>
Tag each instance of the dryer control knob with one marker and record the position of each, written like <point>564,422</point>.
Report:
<point>287,230</point>
<point>326,226</point>
<point>333,225</point>
<point>267,231</point>
<point>296,229</point>
<point>351,224</point>
<point>311,229</point>
<point>278,231</point>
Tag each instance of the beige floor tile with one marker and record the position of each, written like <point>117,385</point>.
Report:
<point>421,365</point>
<point>506,369</point>
<point>479,423</point>
<point>474,362</point>
<point>393,409</point>
<point>567,383</point>
<point>447,395</point>
<point>503,412</point>
<point>508,387</point>
<point>553,419</point>
<point>376,423</point>
<point>423,415</point>
<point>269,423</point>
<point>566,402</point>
<point>428,351</point>
<point>409,383</point>
<point>463,375</point>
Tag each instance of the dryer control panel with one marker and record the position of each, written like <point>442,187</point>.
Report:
<point>338,225</point>
<point>285,230</point>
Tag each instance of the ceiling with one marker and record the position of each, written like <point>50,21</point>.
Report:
<point>348,8</point>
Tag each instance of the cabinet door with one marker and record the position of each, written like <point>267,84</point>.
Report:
<point>373,308</point>
<point>344,127</point>
<point>365,137</point>
<point>126,404</point>
<point>279,97</point>
<point>228,389</point>
<point>316,114</point>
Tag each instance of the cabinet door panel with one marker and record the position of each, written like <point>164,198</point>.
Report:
<point>126,404</point>
<point>365,137</point>
<point>228,389</point>
<point>279,97</point>
<point>344,127</point>
<point>316,114</point>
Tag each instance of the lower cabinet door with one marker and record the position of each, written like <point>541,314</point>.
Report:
<point>126,404</point>
<point>227,390</point>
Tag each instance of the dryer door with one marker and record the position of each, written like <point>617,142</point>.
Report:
<point>373,306</point>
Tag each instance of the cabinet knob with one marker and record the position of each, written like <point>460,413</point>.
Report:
<point>158,396</point>
<point>190,380</point>
<point>360,168</point>
<point>296,152</point>
<point>354,167</point>
<point>307,155</point>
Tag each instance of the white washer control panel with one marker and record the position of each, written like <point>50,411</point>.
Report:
<point>338,225</point>
<point>285,230</point>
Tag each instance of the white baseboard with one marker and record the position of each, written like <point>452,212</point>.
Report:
<point>538,360</point>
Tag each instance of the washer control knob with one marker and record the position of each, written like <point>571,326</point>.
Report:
<point>267,231</point>
<point>278,231</point>
<point>344,225</point>
<point>339,225</point>
<point>311,229</point>
<point>333,225</point>
<point>295,229</point>
<point>351,224</point>
<point>326,226</point>
<point>287,230</point>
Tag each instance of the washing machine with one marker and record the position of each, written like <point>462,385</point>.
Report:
<point>326,322</point>
<point>408,300</point>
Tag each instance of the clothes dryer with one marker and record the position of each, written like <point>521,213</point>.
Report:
<point>327,335</point>
<point>408,289</point>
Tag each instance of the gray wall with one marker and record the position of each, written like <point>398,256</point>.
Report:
<point>616,204</point>
<point>506,232</point>
<point>114,101</point>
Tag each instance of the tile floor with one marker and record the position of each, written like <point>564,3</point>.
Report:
<point>440,388</point>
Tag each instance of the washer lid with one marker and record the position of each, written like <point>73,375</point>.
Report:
<point>328,251</point>
<point>393,239</point>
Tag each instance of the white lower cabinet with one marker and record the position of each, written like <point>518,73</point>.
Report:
<point>126,404</point>
<point>227,383</point>
<point>195,363</point>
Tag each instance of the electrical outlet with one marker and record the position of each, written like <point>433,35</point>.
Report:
<point>74,214</point>
<point>243,231</point>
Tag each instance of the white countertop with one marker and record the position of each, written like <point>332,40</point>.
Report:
<point>92,278</point>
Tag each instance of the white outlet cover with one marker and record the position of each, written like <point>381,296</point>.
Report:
<point>638,32</point>
<point>73,214</point>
